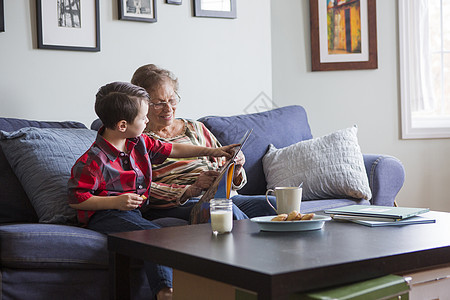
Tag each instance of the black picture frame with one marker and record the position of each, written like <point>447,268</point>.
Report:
<point>2,17</point>
<point>129,11</point>
<point>69,32</point>
<point>201,10</point>
<point>176,2</point>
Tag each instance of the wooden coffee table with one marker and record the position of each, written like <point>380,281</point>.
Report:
<point>277,264</point>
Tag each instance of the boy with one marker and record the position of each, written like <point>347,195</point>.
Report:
<point>112,178</point>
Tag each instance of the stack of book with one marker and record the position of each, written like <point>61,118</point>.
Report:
<point>374,215</point>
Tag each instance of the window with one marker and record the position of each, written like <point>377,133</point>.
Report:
<point>424,30</point>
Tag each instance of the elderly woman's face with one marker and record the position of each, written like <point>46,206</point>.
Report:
<point>161,113</point>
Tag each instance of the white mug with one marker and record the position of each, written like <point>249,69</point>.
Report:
<point>288,199</point>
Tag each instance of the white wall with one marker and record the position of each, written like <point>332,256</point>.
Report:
<point>368,98</point>
<point>222,64</point>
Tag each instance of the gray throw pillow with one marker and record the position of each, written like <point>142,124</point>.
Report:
<point>331,166</point>
<point>42,159</point>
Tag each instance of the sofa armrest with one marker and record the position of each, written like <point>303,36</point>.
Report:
<point>386,177</point>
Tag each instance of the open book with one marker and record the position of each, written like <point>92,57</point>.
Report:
<point>221,187</point>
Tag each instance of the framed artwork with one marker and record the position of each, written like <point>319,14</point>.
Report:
<point>2,17</point>
<point>137,10</point>
<point>215,8</point>
<point>178,2</point>
<point>343,34</point>
<point>68,24</point>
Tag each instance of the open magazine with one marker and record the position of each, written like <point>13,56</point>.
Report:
<point>221,187</point>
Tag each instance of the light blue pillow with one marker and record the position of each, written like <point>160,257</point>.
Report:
<point>42,159</point>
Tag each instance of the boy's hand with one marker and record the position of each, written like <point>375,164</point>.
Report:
<point>127,201</point>
<point>227,151</point>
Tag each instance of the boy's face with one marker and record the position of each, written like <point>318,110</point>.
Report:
<point>140,122</point>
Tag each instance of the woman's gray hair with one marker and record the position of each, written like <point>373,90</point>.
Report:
<point>151,77</point>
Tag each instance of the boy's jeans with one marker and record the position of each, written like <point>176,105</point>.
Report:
<point>111,221</point>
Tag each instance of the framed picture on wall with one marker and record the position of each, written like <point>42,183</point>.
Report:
<point>2,17</point>
<point>68,24</point>
<point>137,10</point>
<point>215,8</point>
<point>178,2</point>
<point>343,34</point>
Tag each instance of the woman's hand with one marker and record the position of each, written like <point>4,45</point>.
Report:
<point>203,182</point>
<point>239,163</point>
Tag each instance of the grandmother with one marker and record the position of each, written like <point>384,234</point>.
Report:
<point>177,183</point>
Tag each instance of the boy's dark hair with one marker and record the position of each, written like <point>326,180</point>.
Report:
<point>118,101</point>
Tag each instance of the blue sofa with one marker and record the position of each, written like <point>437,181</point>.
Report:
<point>42,260</point>
<point>288,125</point>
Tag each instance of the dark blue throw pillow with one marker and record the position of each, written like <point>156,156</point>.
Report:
<point>14,203</point>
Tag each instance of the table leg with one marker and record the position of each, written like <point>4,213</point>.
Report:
<point>119,276</point>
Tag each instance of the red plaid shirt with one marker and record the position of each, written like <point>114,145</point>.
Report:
<point>105,171</point>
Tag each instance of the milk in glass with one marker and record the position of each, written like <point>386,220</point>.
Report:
<point>221,215</point>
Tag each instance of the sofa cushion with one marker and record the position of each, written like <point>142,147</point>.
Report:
<point>14,203</point>
<point>55,246</point>
<point>52,246</point>
<point>331,166</point>
<point>42,159</point>
<point>319,205</point>
<point>281,127</point>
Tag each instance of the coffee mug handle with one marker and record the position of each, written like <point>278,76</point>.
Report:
<point>267,199</point>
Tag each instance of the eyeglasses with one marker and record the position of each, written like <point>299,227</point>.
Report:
<point>172,102</point>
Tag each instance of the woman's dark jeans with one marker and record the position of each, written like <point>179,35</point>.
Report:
<point>184,211</point>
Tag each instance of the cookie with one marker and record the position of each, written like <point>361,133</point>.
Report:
<point>298,217</point>
<point>292,215</point>
<point>280,217</point>
<point>307,216</point>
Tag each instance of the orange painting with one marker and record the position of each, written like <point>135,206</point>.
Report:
<point>344,26</point>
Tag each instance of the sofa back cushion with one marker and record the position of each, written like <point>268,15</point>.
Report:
<point>281,127</point>
<point>14,203</point>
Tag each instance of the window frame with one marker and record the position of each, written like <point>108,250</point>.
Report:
<point>420,128</point>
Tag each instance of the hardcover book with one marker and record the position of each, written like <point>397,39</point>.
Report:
<point>221,187</point>
<point>377,211</point>
<point>407,221</point>
<point>352,217</point>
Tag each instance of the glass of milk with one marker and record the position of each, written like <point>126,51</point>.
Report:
<point>221,215</point>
